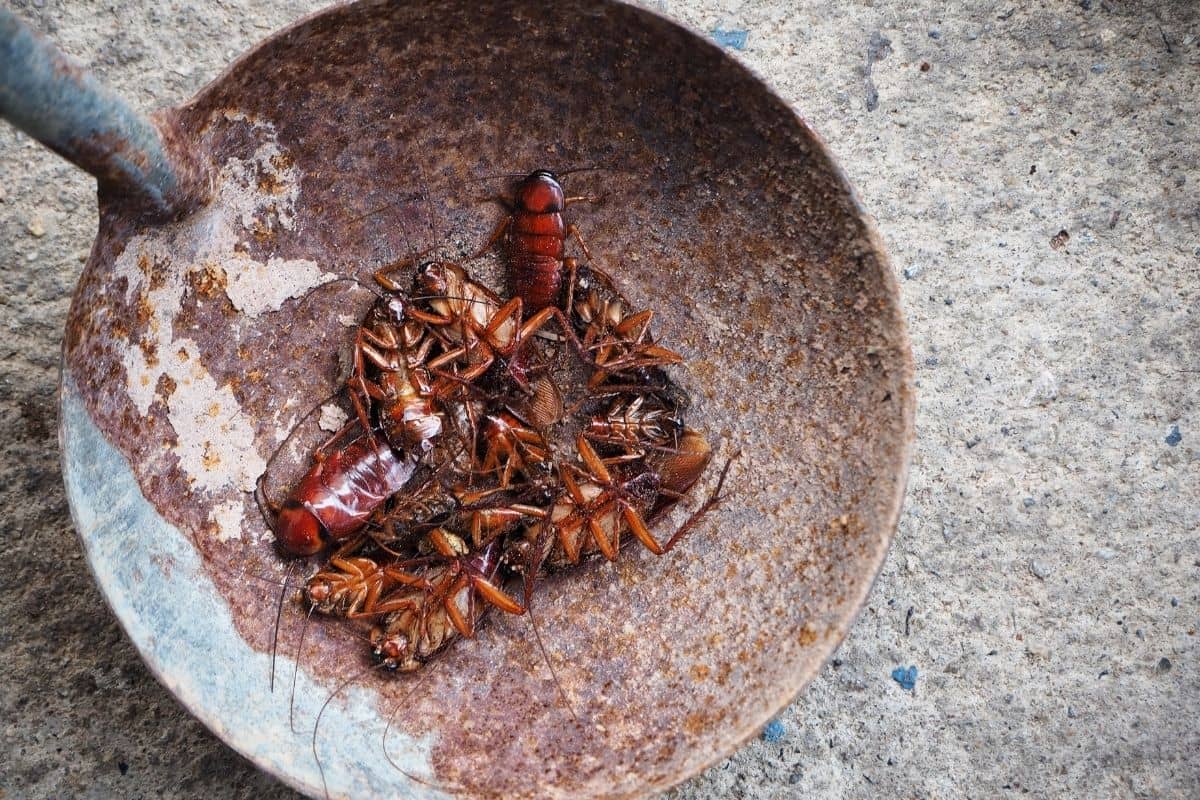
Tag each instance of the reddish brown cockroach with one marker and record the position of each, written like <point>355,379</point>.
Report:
<point>622,342</point>
<point>534,235</point>
<point>339,493</point>
<point>636,423</point>
<point>395,347</point>
<point>484,332</point>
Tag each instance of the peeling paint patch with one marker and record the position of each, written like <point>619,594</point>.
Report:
<point>215,442</point>
<point>255,288</point>
<point>228,519</point>
<point>332,418</point>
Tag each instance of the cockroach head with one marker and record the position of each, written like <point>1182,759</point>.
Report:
<point>541,193</point>
<point>297,531</point>
<point>391,651</point>
<point>432,278</point>
<point>396,307</point>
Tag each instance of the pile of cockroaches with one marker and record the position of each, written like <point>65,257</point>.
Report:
<point>491,440</point>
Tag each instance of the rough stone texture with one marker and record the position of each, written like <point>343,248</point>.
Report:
<point>1048,548</point>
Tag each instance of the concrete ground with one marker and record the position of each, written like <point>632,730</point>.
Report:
<point>1033,168</point>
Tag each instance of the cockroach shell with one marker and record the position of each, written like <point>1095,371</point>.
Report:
<point>679,471</point>
<point>544,407</point>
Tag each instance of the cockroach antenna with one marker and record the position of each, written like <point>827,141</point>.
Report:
<point>321,713</point>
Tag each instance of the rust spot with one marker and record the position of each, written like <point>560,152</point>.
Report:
<point>700,672</point>
<point>210,281</point>
<point>145,311</point>
<point>149,352</point>
<point>694,723</point>
<point>807,635</point>
<point>211,459</point>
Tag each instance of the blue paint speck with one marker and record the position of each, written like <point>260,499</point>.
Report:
<point>907,678</point>
<point>1174,437</point>
<point>734,39</point>
<point>773,732</point>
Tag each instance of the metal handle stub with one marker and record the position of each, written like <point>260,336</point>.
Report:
<point>56,101</point>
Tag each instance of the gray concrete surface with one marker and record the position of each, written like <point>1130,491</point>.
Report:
<point>1045,577</point>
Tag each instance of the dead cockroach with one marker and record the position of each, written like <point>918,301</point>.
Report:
<point>428,618</point>
<point>637,423</point>
<point>601,503</point>
<point>512,449</point>
<point>485,334</point>
<point>621,342</point>
<point>534,235</point>
<point>339,493</point>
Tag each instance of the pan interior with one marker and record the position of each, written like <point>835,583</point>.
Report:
<point>376,132</point>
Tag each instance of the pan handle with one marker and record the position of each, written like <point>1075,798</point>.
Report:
<point>56,101</point>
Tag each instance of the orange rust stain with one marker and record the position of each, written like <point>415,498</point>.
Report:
<point>261,232</point>
<point>282,161</point>
<point>269,182</point>
<point>182,354</point>
<point>210,459</point>
<point>700,672</point>
<point>693,723</point>
<point>149,352</point>
<point>211,281</point>
<point>144,311</point>
<point>808,635</point>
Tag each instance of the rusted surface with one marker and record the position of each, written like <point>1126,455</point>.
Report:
<point>721,211</point>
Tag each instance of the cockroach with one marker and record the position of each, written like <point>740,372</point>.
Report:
<point>391,349</point>
<point>534,235</point>
<point>490,513</point>
<point>485,334</point>
<point>412,512</point>
<point>352,587</point>
<point>636,423</point>
<point>621,342</point>
<point>600,505</point>
<point>339,493</point>
<point>428,618</point>
<point>512,449</point>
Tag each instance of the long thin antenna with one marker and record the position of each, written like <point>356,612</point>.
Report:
<point>296,673</point>
<point>537,635</point>
<point>278,617</point>
<point>383,743</point>
<point>321,713</point>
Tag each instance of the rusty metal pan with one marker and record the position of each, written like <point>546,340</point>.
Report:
<point>367,132</point>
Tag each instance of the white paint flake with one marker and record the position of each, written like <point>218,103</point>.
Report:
<point>215,442</point>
